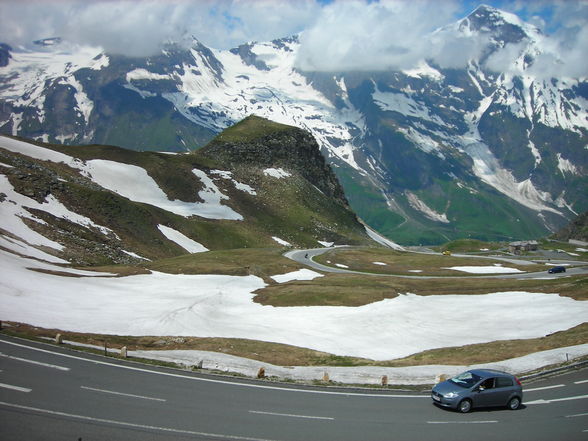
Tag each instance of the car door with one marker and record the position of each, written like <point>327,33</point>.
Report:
<point>494,392</point>
<point>490,393</point>
<point>503,388</point>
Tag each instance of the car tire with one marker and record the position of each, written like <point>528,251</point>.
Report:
<point>465,406</point>
<point>514,403</point>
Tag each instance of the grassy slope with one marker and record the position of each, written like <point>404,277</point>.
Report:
<point>249,129</point>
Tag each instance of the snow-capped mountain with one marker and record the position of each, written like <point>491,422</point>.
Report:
<point>494,150</point>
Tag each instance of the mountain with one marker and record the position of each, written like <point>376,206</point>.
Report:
<point>576,230</point>
<point>101,205</point>
<point>494,150</point>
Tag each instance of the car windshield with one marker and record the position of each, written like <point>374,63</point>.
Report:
<point>467,379</point>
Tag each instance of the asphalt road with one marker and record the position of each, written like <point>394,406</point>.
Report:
<point>51,393</point>
<point>305,257</point>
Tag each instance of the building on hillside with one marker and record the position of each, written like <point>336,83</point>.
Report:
<point>523,245</point>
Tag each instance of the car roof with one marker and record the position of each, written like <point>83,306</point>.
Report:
<point>485,373</point>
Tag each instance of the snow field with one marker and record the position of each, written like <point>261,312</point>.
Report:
<point>222,306</point>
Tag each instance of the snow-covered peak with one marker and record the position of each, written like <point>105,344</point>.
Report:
<point>487,19</point>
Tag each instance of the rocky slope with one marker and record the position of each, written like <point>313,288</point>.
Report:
<point>576,230</point>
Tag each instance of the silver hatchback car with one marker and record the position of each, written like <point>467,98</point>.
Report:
<point>479,388</point>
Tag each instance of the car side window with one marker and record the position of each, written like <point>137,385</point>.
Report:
<point>503,382</point>
<point>488,383</point>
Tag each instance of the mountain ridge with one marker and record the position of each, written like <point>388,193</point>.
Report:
<point>425,154</point>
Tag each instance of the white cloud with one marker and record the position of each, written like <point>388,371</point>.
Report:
<point>340,35</point>
<point>140,28</point>
<point>355,35</point>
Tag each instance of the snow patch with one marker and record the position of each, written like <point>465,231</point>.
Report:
<point>485,269</point>
<point>281,242</point>
<point>180,239</point>
<point>135,255</point>
<point>303,274</point>
<point>277,173</point>
<point>423,69</point>
<point>566,166</point>
<point>238,185</point>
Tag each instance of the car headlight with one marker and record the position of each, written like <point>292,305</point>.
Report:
<point>450,395</point>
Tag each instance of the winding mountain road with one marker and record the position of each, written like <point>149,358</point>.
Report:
<point>51,393</point>
<point>306,257</point>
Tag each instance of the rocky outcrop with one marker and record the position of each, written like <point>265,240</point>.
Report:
<point>576,230</point>
<point>279,146</point>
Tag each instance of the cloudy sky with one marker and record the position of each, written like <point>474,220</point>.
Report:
<point>336,34</point>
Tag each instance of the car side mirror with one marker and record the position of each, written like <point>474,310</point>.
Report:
<point>480,389</point>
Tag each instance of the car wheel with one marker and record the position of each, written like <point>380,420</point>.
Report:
<point>514,403</point>
<point>464,406</point>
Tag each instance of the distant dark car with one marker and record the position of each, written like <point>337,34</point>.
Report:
<point>557,269</point>
<point>479,388</point>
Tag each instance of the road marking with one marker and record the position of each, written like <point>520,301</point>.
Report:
<point>581,382</point>
<point>211,380</point>
<point>544,388</point>
<point>577,415</point>
<point>462,422</point>
<point>18,388</point>
<point>122,394</point>
<point>38,363</point>
<point>578,397</point>
<point>310,417</point>
<point>132,425</point>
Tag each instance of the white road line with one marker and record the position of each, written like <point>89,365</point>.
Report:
<point>18,388</point>
<point>462,422</point>
<point>543,388</point>
<point>122,394</point>
<point>577,397</point>
<point>577,415</point>
<point>581,382</point>
<point>211,380</point>
<point>310,417</point>
<point>38,363</point>
<point>132,425</point>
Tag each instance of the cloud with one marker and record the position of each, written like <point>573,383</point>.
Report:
<point>335,36</point>
<point>356,35</point>
<point>140,28</point>
<point>563,46</point>
<point>361,35</point>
